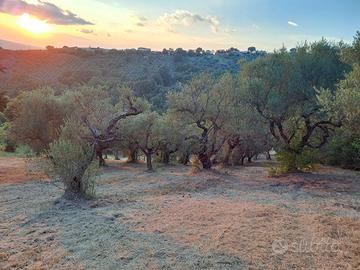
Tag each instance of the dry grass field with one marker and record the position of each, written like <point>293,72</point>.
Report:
<point>236,218</point>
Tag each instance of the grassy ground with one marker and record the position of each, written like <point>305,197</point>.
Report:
<point>235,218</point>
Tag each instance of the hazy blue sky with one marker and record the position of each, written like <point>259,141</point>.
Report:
<point>211,24</point>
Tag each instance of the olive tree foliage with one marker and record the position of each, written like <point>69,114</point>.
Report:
<point>346,103</point>
<point>348,95</point>
<point>174,134</point>
<point>4,124</point>
<point>36,117</point>
<point>102,117</point>
<point>344,146</point>
<point>284,89</point>
<point>204,104</point>
<point>351,53</point>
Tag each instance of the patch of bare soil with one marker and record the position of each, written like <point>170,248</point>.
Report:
<point>250,230</point>
<point>14,170</point>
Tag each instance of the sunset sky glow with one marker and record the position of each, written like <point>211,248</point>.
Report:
<point>211,24</point>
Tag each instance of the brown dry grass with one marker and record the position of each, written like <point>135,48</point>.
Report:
<point>248,230</point>
<point>324,180</point>
<point>240,212</point>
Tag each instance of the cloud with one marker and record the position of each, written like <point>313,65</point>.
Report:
<point>140,24</point>
<point>108,35</point>
<point>87,31</point>
<point>139,18</point>
<point>43,10</point>
<point>142,18</point>
<point>229,30</point>
<point>293,23</point>
<point>187,18</point>
<point>129,31</point>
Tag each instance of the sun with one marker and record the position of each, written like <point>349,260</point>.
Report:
<point>33,25</point>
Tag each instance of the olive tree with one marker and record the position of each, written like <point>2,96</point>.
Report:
<point>246,134</point>
<point>204,104</point>
<point>148,131</point>
<point>35,117</point>
<point>102,118</point>
<point>174,134</point>
<point>284,89</point>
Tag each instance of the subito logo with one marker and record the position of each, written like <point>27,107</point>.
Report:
<point>279,247</point>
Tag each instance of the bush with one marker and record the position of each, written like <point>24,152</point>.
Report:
<point>24,151</point>
<point>293,162</point>
<point>6,144</point>
<point>71,161</point>
<point>343,150</point>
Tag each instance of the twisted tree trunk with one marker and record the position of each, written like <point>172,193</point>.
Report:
<point>165,157</point>
<point>132,155</point>
<point>99,155</point>
<point>205,161</point>
<point>149,162</point>
<point>228,153</point>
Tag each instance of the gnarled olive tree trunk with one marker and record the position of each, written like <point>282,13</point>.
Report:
<point>132,155</point>
<point>149,162</point>
<point>205,161</point>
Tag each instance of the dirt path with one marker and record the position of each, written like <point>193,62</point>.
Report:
<point>14,170</point>
<point>233,219</point>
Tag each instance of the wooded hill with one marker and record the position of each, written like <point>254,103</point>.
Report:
<point>151,74</point>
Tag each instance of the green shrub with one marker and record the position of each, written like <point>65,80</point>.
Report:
<point>273,171</point>
<point>71,161</point>
<point>24,151</point>
<point>293,162</point>
<point>343,150</point>
<point>307,160</point>
<point>6,144</point>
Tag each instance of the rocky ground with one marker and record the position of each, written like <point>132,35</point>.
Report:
<point>235,218</point>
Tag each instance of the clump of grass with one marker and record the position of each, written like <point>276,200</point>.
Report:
<point>24,151</point>
<point>195,164</point>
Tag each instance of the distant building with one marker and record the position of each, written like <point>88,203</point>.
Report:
<point>142,49</point>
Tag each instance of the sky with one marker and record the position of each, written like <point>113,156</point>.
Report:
<point>210,24</point>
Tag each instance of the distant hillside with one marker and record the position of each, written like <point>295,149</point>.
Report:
<point>9,45</point>
<point>151,74</point>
